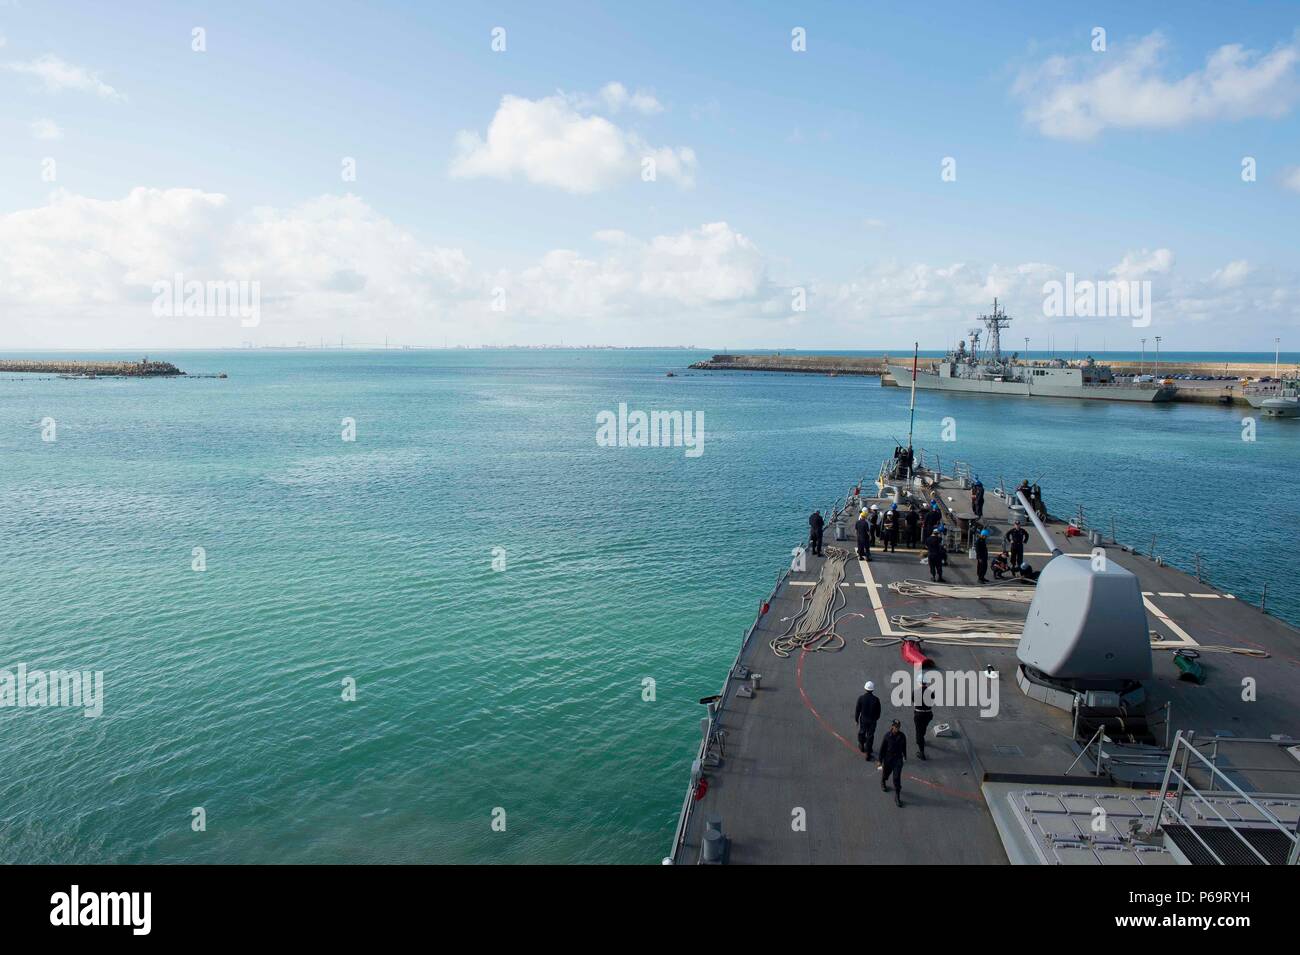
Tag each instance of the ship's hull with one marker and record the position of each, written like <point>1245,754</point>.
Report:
<point>1256,399</point>
<point>1281,407</point>
<point>1027,389</point>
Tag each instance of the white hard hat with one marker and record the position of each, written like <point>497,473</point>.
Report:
<point>869,686</point>
<point>875,507</point>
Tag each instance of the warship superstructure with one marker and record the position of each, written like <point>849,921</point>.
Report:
<point>991,373</point>
<point>1278,399</point>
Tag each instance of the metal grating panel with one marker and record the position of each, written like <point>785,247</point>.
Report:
<point>1270,843</point>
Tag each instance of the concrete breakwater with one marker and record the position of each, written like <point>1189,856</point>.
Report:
<point>812,364</point>
<point>92,369</point>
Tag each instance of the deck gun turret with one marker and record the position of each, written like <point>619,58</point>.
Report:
<point>1086,647</point>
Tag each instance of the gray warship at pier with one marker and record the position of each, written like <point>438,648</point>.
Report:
<point>989,372</point>
<point>1141,715</point>
<point>1277,399</point>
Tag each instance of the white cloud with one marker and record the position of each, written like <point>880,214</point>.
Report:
<point>550,142</point>
<point>46,129</point>
<point>1144,264</point>
<point>616,97</point>
<point>1231,275</point>
<point>80,272</point>
<point>57,75</point>
<point>79,251</point>
<point>1239,306</point>
<point>1291,179</point>
<point>887,296</point>
<point>335,251</point>
<point>1078,97</point>
<point>696,269</point>
<point>890,301</point>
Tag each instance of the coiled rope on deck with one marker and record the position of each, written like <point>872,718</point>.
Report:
<point>998,590</point>
<point>813,627</point>
<point>1210,648</point>
<point>976,632</point>
<point>934,623</point>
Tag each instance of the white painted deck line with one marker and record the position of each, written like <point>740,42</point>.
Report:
<point>1179,631</point>
<point>882,618</point>
<point>887,629</point>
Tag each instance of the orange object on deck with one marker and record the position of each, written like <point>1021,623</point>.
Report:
<point>911,651</point>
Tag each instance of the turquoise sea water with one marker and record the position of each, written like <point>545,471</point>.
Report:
<point>476,689</point>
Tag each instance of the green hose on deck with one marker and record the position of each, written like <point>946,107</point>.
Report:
<point>1189,666</point>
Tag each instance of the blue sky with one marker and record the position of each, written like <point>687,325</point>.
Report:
<point>824,166</point>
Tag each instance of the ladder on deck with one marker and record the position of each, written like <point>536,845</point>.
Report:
<point>1216,840</point>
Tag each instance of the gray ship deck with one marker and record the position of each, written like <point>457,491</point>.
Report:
<point>793,744</point>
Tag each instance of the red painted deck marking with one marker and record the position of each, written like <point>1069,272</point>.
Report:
<point>853,747</point>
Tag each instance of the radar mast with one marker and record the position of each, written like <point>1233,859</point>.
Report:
<point>995,323</point>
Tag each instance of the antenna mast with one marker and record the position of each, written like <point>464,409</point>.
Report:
<point>995,323</point>
<point>911,419</point>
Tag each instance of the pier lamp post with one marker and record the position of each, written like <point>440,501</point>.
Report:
<point>1026,350</point>
<point>1143,363</point>
<point>1277,354</point>
<point>1157,356</point>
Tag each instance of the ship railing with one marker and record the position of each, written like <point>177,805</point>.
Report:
<point>709,732</point>
<point>1099,737</point>
<point>709,724</point>
<point>1170,805</point>
<point>1124,384</point>
<point>1194,564</point>
<point>925,464</point>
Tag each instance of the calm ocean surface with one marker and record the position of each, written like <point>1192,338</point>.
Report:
<point>476,689</point>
